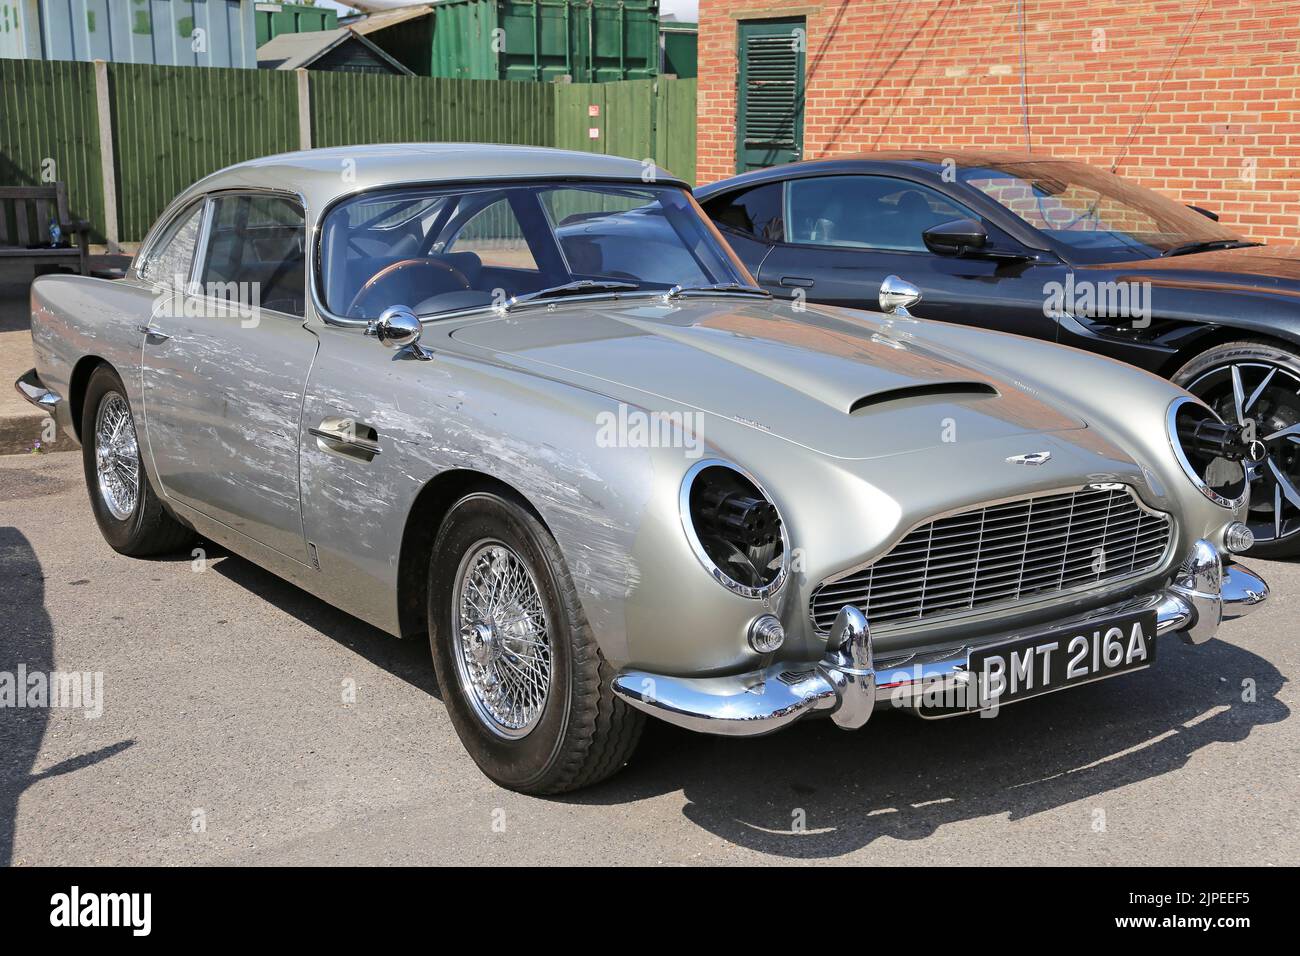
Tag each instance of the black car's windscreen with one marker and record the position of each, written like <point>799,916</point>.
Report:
<point>439,250</point>
<point>1097,215</point>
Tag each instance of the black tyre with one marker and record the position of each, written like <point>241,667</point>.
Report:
<point>130,516</point>
<point>522,677</point>
<point>1259,382</point>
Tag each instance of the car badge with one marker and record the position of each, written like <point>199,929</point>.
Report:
<point>1033,458</point>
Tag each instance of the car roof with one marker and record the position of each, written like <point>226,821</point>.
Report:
<point>928,159</point>
<point>322,175</point>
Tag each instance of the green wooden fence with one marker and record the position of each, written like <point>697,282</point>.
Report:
<point>173,125</point>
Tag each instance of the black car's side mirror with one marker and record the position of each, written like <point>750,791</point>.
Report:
<point>1204,212</point>
<point>955,238</point>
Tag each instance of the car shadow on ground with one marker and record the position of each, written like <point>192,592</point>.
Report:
<point>813,791</point>
<point>408,659</point>
<point>28,643</point>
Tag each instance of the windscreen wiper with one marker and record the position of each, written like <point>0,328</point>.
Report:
<point>714,288</point>
<point>580,287</point>
<point>1207,245</point>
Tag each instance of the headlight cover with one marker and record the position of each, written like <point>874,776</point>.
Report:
<point>734,528</point>
<point>1219,479</point>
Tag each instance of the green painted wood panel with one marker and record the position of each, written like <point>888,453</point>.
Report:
<point>347,109</point>
<point>174,125</point>
<point>675,127</point>
<point>48,130</point>
<point>640,119</point>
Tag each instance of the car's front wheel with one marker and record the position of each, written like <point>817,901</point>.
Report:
<point>129,513</point>
<point>1258,382</point>
<point>523,679</point>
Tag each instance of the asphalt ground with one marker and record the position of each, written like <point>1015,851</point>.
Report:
<point>227,735</point>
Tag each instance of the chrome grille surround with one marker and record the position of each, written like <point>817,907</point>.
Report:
<point>1002,554</point>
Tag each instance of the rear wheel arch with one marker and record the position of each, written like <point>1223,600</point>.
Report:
<point>77,382</point>
<point>422,523</point>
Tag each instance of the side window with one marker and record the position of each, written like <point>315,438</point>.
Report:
<point>868,212</point>
<point>754,212</point>
<point>255,253</point>
<point>494,235</point>
<point>168,262</point>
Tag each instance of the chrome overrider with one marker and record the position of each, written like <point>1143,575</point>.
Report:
<point>847,684</point>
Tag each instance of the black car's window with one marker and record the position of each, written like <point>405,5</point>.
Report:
<point>755,212</point>
<point>170,258</point>
<point>623,235</point>
<point>255,253</point>
<point>440,250</point>
<point>868,212</point>
<point>1097,215</point>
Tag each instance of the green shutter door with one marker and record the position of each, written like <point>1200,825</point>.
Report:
<point>769,97</point>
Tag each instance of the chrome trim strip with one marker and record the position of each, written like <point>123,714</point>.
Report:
<point>688,525</point>
<point>1171,430</point>
<point>1028,604</point>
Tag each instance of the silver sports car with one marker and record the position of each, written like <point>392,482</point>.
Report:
<point>529,403</point>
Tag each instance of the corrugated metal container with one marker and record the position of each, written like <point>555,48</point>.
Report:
<point>164,32</point>
<point>679,43</point>
<point>272,19</point>
<point>587,40</point>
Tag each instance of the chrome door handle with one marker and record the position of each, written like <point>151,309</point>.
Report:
<point>151,334</point>
<point>347,437</point>
<point>796,282</point>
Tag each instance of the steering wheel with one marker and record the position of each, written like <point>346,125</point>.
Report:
<point>444,278</point>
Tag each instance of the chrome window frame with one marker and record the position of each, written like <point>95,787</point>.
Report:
<point>315,269</point>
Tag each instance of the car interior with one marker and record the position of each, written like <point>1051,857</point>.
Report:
<point>440,252</point>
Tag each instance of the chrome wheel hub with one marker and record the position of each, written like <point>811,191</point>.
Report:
<point>501,640</point>
<point>1268,396</point>
<point>117,457</point>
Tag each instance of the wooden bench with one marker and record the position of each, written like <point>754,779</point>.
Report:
<point>25,223</point>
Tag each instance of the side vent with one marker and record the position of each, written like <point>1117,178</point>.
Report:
<point>936,390</point>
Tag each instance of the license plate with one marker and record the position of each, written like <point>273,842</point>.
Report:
<point>1063,657</point>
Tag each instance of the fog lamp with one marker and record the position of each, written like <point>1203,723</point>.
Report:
<point>766,634</point>
<point>1238,538</point>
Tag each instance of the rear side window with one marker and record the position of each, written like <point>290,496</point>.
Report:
<point>869,212</point>
<point>754,212</point>
<point>255,253</point>
<point>168,262</point>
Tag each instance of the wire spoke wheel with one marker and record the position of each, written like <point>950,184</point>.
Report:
<point>501,639</point>
<point>117,456</point>
<point>1267,395</point>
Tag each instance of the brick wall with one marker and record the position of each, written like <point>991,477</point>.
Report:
<point>1204,108</point>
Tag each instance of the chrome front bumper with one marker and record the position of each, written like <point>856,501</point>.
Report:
<point>847,684</point>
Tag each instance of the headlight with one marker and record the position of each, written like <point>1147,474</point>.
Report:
<point>1221,479</point>
<point>734,528</point>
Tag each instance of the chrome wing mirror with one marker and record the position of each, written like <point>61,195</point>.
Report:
<point>398,328</point>
<point>897,296</point>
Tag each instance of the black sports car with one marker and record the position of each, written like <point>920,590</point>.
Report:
<point>1053,249</point>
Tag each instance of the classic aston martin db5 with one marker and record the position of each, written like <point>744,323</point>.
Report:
<point>529,403</point>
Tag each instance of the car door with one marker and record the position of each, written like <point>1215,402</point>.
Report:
<point>842,235</point>
<point>225,363</point>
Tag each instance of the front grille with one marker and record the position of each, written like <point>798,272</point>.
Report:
<point>1002,554</point>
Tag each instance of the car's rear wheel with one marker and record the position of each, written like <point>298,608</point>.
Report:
<point>1260,383</point>
<point>129,513</point>
<point>522,677</point>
